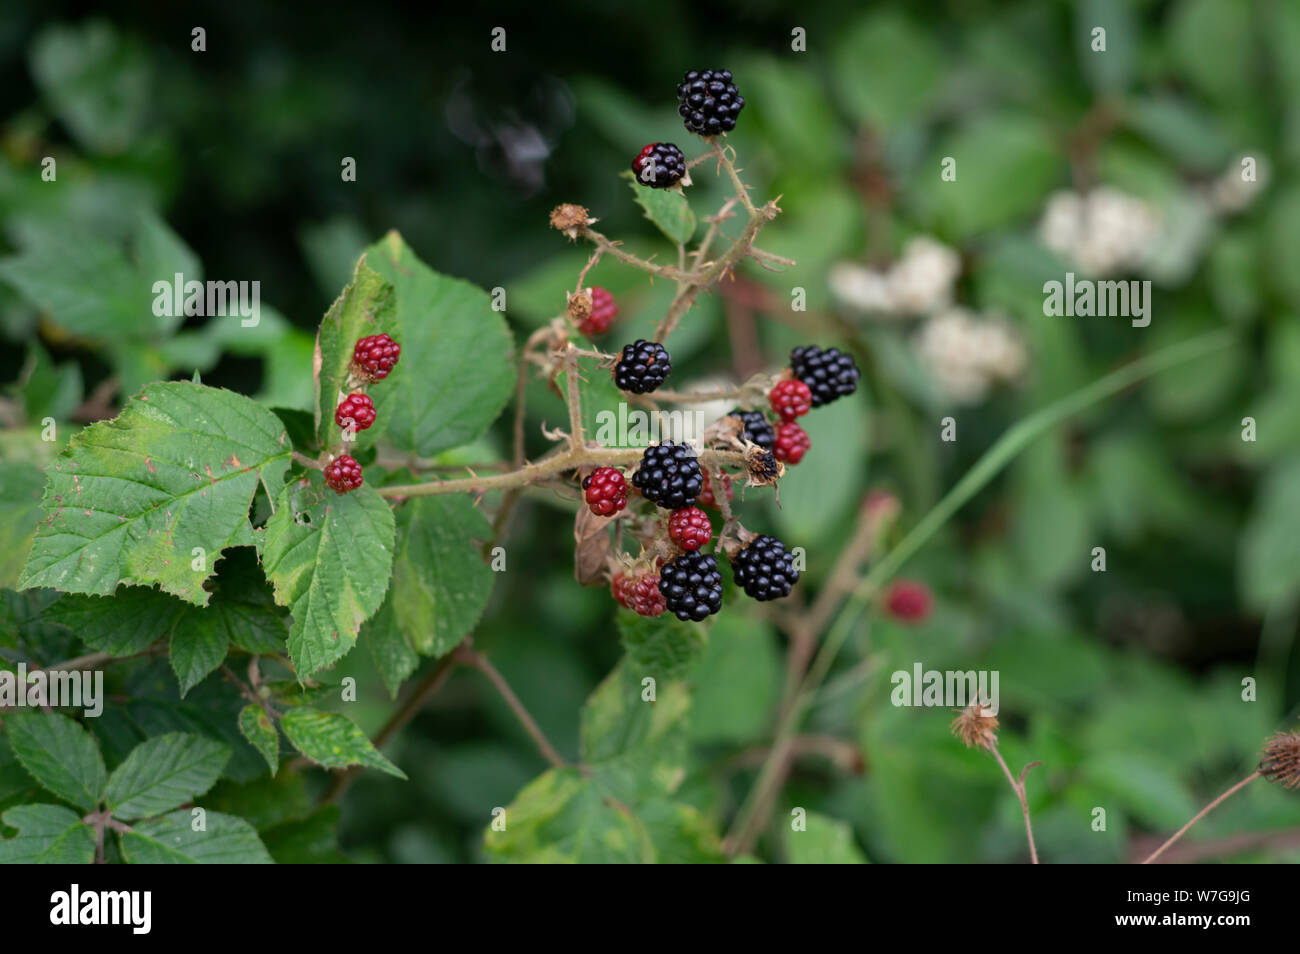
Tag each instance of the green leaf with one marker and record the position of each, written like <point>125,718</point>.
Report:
<point>120,625</point>
<point>1214,45</point>
<point>440,582</point>
<point>60,754</point>
<point>100,286</point>
<point>561,817</point>
<point>824,841</point>
<point>199,644</point>
<point>365,308</point>
<point>887,70</point>
<point>46,390</point>
<point>456,371</point>
<point>736,682</point>
<point>306,841</point>
<point>225,840</point>
<point>164,772</point>
<point>618,808</point>
<point>329,557</point>
<point>1109,71</point>
<point>257,728</point>
<point>1006,164</point>
<point>666,208</point>
<point>393,655</point>
<point>97,82</point>
<point>20,512</point>
<point>47,834</point>
<point>1269,565</point>
<point>1187,134</point>
<point>661,646</point>
<point>131,499</point>
<point>333,740</point>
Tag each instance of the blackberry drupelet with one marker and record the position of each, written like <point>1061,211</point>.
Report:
<point>765,569</point>
<point>643,366</point>
<point>709,101</point>
<point>692,586</point>
<point>669,475</point>
<point>830,374</point>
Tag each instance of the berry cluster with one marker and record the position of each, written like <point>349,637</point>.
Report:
<point>373,358</point>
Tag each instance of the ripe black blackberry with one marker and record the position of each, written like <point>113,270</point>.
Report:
<point>669,475</point>
<point>643,366</point>
<point>659,165</point>
<point>765,569</point>
<point>755,427</point>
<point>692,586</point>
<point>709,101</point>
<point>830,374</point>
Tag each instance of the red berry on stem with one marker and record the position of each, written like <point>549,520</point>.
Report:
<point>689,528</point>
<point>791,398</point>
<point>343,474</point>
<point>908,601</point>
<point>357,408</point>
<point>374,356</point>
<point>606,491</point>
<point>603,312</point>
<point>639,593</point>
<point>792,442</point>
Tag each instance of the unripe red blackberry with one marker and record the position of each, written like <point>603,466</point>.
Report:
<point>639,593</point>
<point>792,442</point>
<point>790,398</point>
<point>689,528</point>
<point>765,569</point>
<point>908,601</point>
<point>659,165</point>
<point>709,101</point>
<point>343,474</point>
<point>357,408</point>
<point>642,367</point>
<point>374,357</point>
<point>603,312</point>
<point>605,490</point>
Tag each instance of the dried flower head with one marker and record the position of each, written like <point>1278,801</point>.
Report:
<point>580,306</point>
<point>1281,759</point>
<point>570,219</point>
<point>976,726</point>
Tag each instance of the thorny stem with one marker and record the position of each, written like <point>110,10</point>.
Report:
<point>1019,788</point>
<point>612,248</point>
<point>1201,814</point>
<point>574,458</point>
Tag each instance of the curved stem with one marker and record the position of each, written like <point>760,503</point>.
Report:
<point>1201,814</point>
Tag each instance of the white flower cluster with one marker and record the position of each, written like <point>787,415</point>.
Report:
<point>1102,232</point>
<point>967,355</point>
<point>919,283</point>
